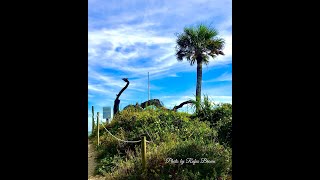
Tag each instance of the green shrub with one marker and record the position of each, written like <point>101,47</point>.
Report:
<point>172,134</point>
<point>220,118</point>
<point>213,113</point>
<point>224,129</point>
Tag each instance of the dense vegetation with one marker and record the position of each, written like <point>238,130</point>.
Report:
<point>176,135</point>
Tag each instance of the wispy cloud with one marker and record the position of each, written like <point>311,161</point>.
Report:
<point>173,75</point>
<point>141,51</point>
<point>224,77</point>
<point>144,31</point>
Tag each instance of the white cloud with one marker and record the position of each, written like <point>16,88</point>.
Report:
<point>97,89</point>
<point>158,52</point>
<point>224,77</point>
<point>112,13</point>
<point>148,37</point>
<point>173,75</point>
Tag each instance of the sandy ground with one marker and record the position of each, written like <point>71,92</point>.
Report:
<point>92,163</point>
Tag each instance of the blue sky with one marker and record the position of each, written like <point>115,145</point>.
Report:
<point>128,39</point>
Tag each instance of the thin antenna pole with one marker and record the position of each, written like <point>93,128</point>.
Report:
<point>148,88</point>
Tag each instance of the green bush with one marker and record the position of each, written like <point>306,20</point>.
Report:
<point>220,118</point>
<point>172,134</point>
<point>224,129</point>
<point>213,113</point>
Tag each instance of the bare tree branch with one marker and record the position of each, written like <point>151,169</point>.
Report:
<point>117,101</point>
<point>175,108</point>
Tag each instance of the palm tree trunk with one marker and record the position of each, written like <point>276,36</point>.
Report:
<point>199,82</point>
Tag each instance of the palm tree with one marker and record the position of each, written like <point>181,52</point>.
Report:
<point>197,44</point>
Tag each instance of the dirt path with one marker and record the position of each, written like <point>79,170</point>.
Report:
<point>92,163</point>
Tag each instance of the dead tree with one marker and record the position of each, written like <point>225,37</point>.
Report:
<point>175,108</point>
<point>117,100</point>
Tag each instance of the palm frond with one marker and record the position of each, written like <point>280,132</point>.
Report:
<point>198,43</point>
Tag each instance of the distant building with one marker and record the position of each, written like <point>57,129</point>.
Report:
<point>107,113</point>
